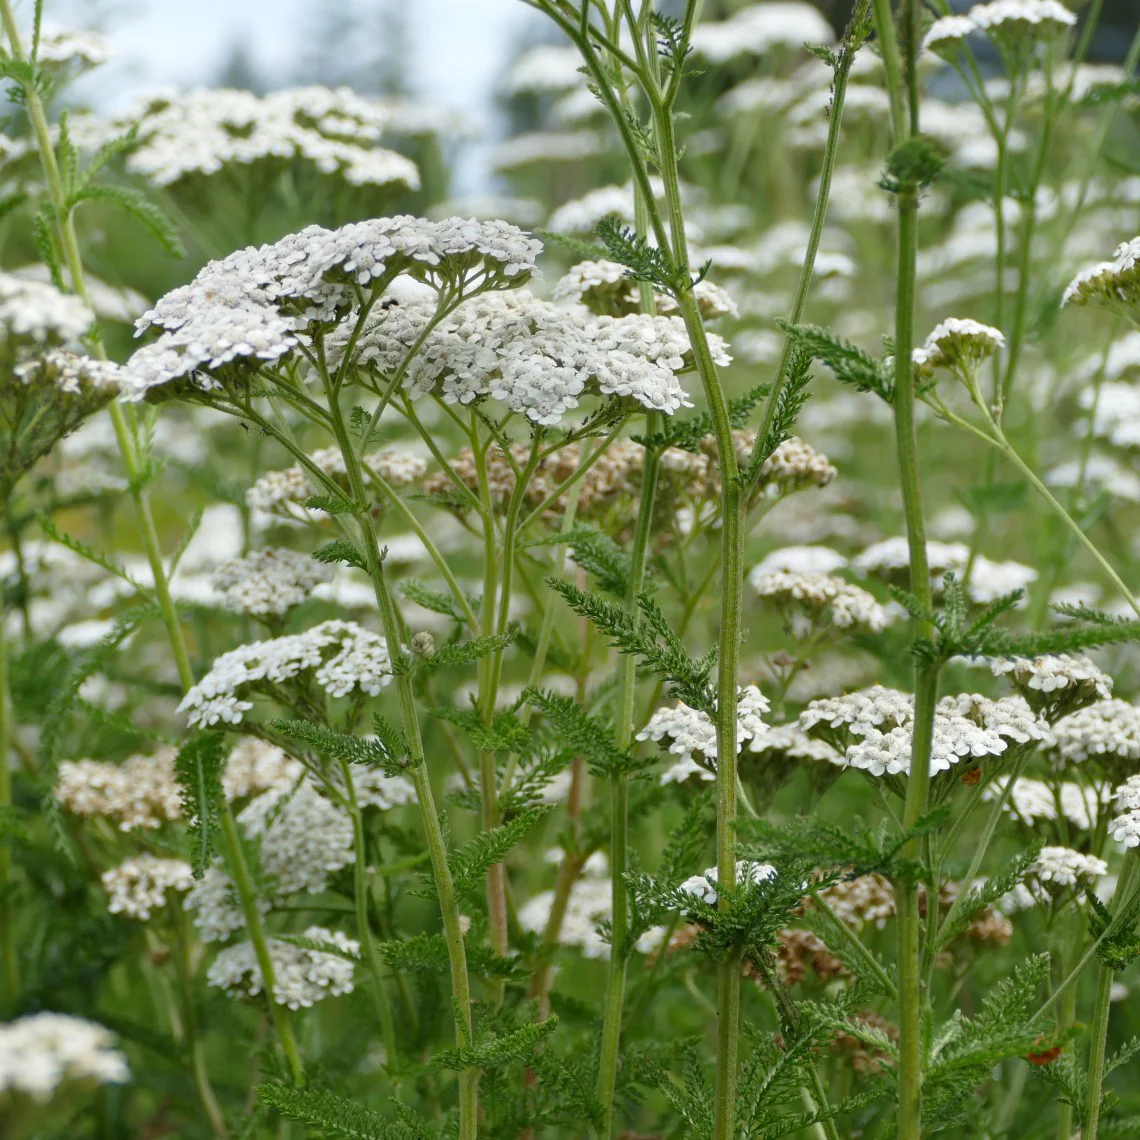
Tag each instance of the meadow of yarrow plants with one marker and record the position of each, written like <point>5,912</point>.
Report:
<point>648,652</point>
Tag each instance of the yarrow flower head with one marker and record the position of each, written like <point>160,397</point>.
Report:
<point>947,35</point>
<point>705,885</point>
<point>143,884</point>
<point>268,582</point>
<point>813,602</point>
<point>1125,828</point>
<point>50,395</point>
<point>959,346</point>
<point>1059,868</point>
<point>285,492</point>
<point>1034,801</point>
<point>141,793</point>
<point>1055,684</point>
<point>1106,733</point>
<point>1019,25</point>
<point>605,288</point>
<point>875,728</point>
<point>254,306</point>
<point>536,357</point>
<point>41,1051</point>
<point>691,734</point>
<point>189,135</point>
<point>302,975</point>
<point>1114,283</point>
<point>338,656</point>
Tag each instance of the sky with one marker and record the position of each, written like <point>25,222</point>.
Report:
<point>459,48</point>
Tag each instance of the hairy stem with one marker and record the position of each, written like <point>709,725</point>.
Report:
<point>1098,1028</point>
<point>904,118</point>
<point>363,926</point>
<point>9,971</point>
<point>410,725</point>
<point>247,895</point>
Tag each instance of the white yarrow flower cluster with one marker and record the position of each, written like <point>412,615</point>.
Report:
<point>141,793</point>
<point>759,29</point>
<point>203,131</point>
<point>705,885</point>
<point>958,345</point>
<point>604,287</point>
<point>73,48</point>
<point>302,976</point>
<point>340,656</point>
<point>800,560</point>
<point>691,734</point>
<point>1125,828</point>
<point>1114,283</point>
<point>1033,801</point>
<point>41,1051</point>
<point>813,600</point>
<point>1106,730</point>
<point>252,307</point>
<point>1059,868</point>
<point>966,726</point>
<point>946,35</point>
<point>217,911</point>
<point>255,766</point>
<point>36,313</point>
<point>69,374</point>
<point>536,357</point>
<point>141,885</point>
<point>1017,19</point>
<point>285,491</point>
<point>302,837</point>
<point>268,582</point>
<point>989,580</point>
<point>1055,681</point>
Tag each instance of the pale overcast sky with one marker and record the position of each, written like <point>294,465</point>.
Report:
<point>458,48</point>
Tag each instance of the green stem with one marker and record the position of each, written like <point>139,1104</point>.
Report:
<point>855,943</point>
<point>1098,1029</point>
<point>846,58</point>
<point>619,784</point>
<point>69,242</point>
<point>911,990</point>
<point>194,1044</point>
<point>417,765</point>
<point>363,926</point>
<point>10,979</point>
<point>731,618</point>
<point>247,895</point>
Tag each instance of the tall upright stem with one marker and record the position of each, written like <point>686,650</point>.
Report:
<point>69,243</point>
<point>363,926</point>
<point>247,895</point>
<point>619,784</point>
<point>900,71</point>
<point>731,611</point>
<point>1098,1029</point>
<point>9,970</point>
<point>417,766</point>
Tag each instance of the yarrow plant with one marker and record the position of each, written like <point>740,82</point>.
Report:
<point>577,660</point>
